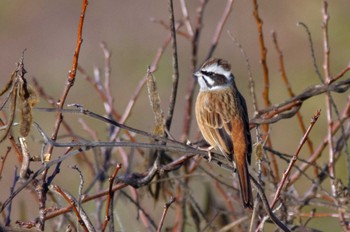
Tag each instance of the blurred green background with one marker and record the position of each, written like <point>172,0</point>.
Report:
<point>47,29</point>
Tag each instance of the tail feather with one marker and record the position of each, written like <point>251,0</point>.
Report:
<point>244,182</point>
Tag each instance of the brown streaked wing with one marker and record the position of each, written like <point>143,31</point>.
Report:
<point>216,115</point>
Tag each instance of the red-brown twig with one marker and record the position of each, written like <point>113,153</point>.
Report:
<point>73,70</point>
<point>166,208</point>
<point>341,74</point>
<point>109,213</point>
<point>336,126</point>
<point>70,82</point>
<point>72,73</point>
<point>263,60</point>
<point>263,52</point>
<point>294,159</point>
<point>81,215</point>
<point>291,93</point>
<point>85,199</point>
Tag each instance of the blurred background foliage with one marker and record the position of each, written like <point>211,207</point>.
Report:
<point>47,29</point>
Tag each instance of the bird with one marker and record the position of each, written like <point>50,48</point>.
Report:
<point>222,118</point>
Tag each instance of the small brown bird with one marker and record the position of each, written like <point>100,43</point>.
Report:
<point>222,118</point>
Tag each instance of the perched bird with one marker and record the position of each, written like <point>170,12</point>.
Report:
<point>222,118</point>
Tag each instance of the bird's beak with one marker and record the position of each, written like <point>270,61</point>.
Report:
<point>197,74</point>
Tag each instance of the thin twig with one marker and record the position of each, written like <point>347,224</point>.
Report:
<point>72,73</point>
<point>263,52</point>
<point>83,219</point>
<point>311,44</point>
<point>192,81</point>
<point>339,87</point>
<point>166,208</point>
<point>219,27</point>
<point>291,93</point>
<point>187,17</point>
<point>294,159</point>
<point>59,117</point>
<point>266,206</point>
<point>109,203</point>
<point>9,208</point>
<point>175,75</point>
<point>249,69</point>
<point>318,151</point>
<point>265,93</point>
<point>329,104</point>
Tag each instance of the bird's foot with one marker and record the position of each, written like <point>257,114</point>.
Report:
<point>207,149</point>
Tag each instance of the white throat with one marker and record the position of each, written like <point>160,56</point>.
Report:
<point>204,87</point>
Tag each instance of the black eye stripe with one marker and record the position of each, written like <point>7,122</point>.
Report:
<point>207,73</point>
<point>206,82</point>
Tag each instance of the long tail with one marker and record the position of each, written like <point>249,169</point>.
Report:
<point>244,182</point>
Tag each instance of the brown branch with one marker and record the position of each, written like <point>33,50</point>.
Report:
<point>263,52</point>
<point>266,206</point>
<point>81,215</point>
<point>263,60</point>
<point>59,117</point>
<point>291,93</point>
<point>192,82</point>
<point>109,211</point>
<point>339,87</point>
<point>294,159</point>
<point>336,126</point>
<point>166,208</point>
<point>341,74</point>
<point>72,74</point>
<point>73,71</point>
<point>175,75</point>
<point>219,27</point>
<point>84,200</point>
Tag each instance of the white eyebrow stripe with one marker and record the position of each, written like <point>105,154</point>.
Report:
<point>215,68</point>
